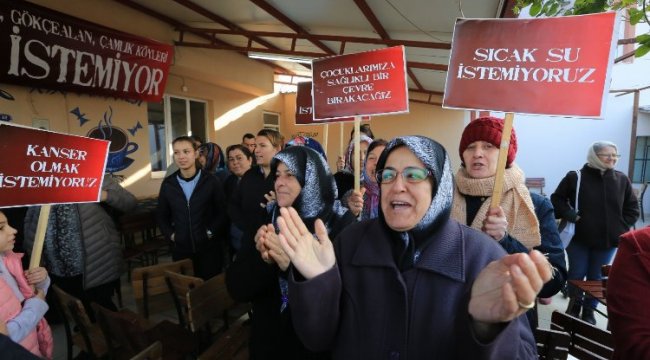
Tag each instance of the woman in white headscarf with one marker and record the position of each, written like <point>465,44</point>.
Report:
<point>607,209</point>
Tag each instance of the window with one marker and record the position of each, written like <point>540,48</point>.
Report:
<point>271,120</point>
<point>641,171</point>
<point>169,119</point>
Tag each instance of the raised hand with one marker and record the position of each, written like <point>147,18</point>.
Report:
<point>340,163</point>
<point>495,223</point>
<point>310,256</point>
<point>270,197</point>
<point>36,276</point>
<point>507,287</point>
<point>355,201</point>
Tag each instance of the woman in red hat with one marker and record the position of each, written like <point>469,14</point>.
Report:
<point>523,221</point>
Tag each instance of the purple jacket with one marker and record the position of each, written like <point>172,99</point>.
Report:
<point>364,308</point>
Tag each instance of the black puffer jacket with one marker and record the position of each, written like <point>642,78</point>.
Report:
<point>607,206</point>
<point>190,221</point>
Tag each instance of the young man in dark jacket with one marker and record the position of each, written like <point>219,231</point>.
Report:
<point>191,210</point>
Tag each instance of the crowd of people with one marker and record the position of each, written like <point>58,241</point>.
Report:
<point>417,264</point>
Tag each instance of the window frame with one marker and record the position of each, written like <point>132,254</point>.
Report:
<point>167,111</point>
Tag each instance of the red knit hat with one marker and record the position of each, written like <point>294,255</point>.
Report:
<point>487,129</point>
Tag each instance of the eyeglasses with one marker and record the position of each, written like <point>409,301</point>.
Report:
<point>410,174</point>
<point>609,156</point>
<point>234,159</point>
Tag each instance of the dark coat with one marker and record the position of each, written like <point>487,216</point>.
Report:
<point>607,206</point>
<point>551,246</point>
<point>365,308</point>
<point>250,279</point>
<point>191,220</point>
<point>244,206</point>
<point>628,297</point>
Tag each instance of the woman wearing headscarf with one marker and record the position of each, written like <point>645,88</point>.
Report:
<point>212,160</point>
<point>369,182</point>
<point>345,177</point>
<point>523,220</point>
<point>607,209</point>
<point>412,283</point>
<point>302,180</point>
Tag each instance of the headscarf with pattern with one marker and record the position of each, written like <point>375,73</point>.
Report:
<point>349,154</point>
<point>317,198</point>
<point>435,159</point>
<point>214,159</point>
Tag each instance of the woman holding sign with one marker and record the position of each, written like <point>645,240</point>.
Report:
<point>524,220</point>
<point>412,283</point>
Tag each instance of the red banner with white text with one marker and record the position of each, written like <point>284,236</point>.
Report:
<point>551,66</point>
<point>304,107</point>
<point>43,167</point>
<point>367,83</point>
<point>46,49</point>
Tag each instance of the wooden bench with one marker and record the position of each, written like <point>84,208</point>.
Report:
<point>88,335</point>
<point>208,302</point>
<point>536,183</point>
<point>179,285</point>
<point>587,341</point>
<point>552,344</point>
<point>150,288</point>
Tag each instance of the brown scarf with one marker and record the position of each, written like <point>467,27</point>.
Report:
<point>516,203</point>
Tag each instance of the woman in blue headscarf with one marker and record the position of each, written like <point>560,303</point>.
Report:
<point>301,179</point>
<point>212,160</point>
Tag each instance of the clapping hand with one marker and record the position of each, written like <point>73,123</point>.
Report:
<point>268,244</point>
<point>508,287</point>
<point>310,255</point>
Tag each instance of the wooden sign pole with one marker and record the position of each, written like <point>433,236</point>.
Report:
<point>357,153</point>
<point>39,239</point>
<point>341,154</point>
<point>501,163</point>
<point>326,134</point>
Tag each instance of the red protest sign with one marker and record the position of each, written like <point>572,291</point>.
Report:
<point>368,83</point>
<point>44,167</point>
<point>43,48</point>
<point>304,107</point>
<point>549,66</point>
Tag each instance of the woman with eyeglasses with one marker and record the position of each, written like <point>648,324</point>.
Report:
<point>523,220</point>
<point>607,208</point>
<point>412,283</point>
